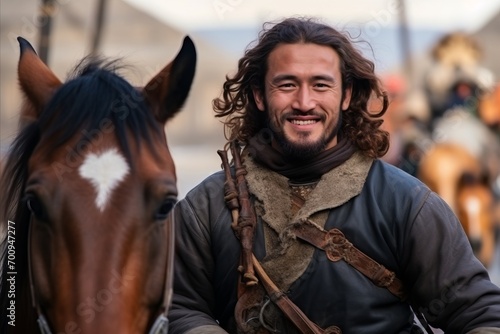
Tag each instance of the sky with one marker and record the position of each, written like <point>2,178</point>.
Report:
<point>191,15</point>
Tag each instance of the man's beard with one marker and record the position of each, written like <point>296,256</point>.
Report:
<point>294,150</point>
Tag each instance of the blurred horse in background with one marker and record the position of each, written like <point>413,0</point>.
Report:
<point>463,166</point>
<point>456,175</point>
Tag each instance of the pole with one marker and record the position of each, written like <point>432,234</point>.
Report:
<point>46,11</point>
<point>404,36</point>
<point>99,23</point>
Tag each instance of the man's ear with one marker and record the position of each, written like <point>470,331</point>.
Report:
<point>347,98</point>
<point>259,99</point>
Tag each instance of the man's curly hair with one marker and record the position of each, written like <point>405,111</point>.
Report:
<point>243,118</point>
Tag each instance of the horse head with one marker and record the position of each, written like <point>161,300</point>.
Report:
<point>91,183</point>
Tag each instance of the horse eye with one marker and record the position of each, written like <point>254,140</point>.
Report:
<point>165,208</point>
<point>35,206</point>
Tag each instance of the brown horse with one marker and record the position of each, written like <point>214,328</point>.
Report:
<point>456,175</point>
<point>87,190</point>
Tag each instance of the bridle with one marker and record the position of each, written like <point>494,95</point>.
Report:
<point>160,325</point>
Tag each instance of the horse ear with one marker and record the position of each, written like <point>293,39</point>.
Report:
<point>37,81</point>
<point>168,90</point>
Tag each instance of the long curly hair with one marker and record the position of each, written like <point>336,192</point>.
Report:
<point>244,120</point>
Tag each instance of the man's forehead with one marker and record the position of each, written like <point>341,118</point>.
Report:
<point>303,56</point>
<point>304,50</point>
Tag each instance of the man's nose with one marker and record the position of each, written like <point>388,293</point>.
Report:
<point>304,100</point>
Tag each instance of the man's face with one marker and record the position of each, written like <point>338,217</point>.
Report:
<point>303,97</point>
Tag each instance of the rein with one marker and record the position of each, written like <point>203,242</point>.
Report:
<point>160,325</point>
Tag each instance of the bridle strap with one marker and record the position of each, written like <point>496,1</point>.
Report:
<point>41,320</point>
<point>160,326</point>
<point>43,324</point>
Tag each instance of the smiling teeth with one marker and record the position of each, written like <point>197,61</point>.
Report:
<point>303,122</point>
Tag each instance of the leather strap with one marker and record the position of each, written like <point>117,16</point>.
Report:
<point>337,247</point>
<point>295,314</point>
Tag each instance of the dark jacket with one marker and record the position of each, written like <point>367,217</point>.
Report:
<point>392,217</point>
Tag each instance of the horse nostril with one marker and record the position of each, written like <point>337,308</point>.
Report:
<point>476,244</point>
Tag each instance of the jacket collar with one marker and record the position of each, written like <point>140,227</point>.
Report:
<point>334,188</point>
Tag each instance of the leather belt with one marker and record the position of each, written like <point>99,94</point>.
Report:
<point>337,247</point>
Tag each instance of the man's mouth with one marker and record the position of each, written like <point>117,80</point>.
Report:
<point>303,122</point>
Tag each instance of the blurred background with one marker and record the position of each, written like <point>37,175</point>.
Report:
<point>396,35</point>
<point>427,53</point>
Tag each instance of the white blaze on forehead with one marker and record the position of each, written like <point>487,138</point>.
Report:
<point>105,171</point>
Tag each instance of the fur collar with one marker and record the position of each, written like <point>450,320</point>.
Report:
<point>286,259</point>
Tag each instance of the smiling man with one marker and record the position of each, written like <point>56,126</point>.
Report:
<point>303,97</point>
<point>316,234</point>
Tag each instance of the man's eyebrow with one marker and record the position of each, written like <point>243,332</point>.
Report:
<point>323,77</point>
<point>284,77</point>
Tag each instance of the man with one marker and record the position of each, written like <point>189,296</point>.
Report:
<point>298,105</point>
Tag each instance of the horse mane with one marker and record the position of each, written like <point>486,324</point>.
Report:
<point>93,99</point>
<point>95,86</point>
